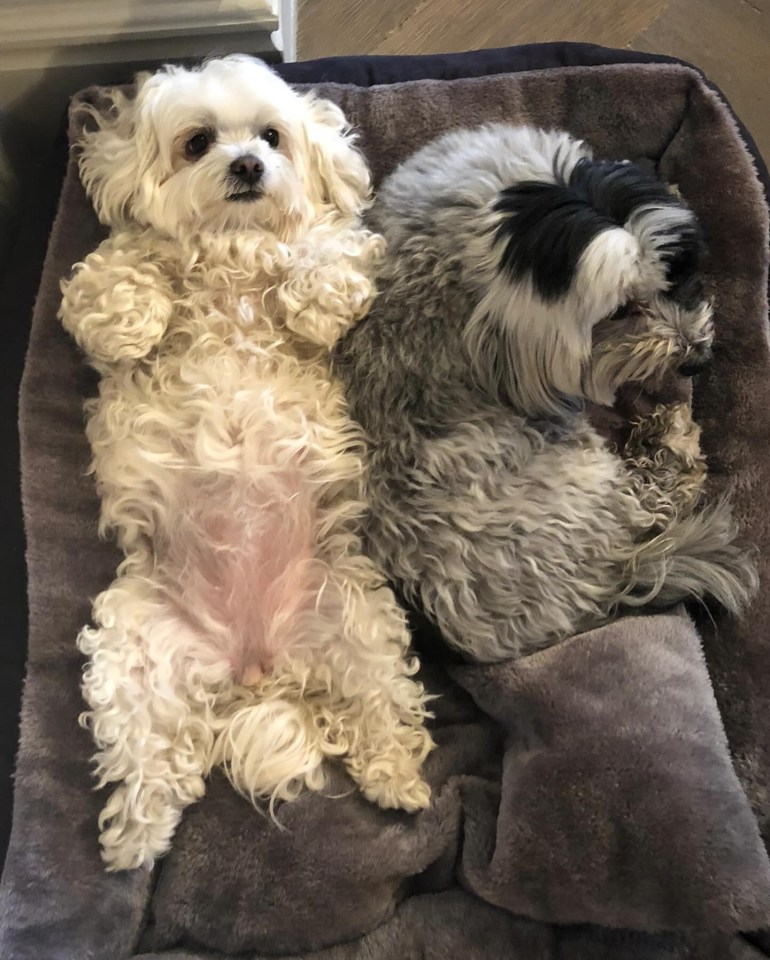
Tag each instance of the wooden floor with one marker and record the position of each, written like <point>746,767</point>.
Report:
<point>728,39</point>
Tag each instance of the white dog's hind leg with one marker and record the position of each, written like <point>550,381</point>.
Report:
<point>377,709</point>
<point>148,714</point>
<point>388,745</point>
<point>272,740</point>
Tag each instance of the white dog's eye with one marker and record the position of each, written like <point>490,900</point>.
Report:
<point>197,145</point>
<point>270,136</point>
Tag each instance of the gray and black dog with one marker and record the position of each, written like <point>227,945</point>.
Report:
<point>523,278</point>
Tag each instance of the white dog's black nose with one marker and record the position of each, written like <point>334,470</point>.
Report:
<point>247,169</point>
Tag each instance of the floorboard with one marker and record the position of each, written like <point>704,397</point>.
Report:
<point>728,39</point>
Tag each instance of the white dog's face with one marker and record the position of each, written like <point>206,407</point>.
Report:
<point>229,146</point>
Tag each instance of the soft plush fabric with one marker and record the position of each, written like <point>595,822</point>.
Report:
<point>600,799</point>
<point>17,293</point>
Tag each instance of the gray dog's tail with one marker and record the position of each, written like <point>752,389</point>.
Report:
<point>697,556</point>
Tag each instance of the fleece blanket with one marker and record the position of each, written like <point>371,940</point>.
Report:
<point>605,798</point>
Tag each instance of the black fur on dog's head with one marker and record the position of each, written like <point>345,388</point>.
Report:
<point>545,228</point>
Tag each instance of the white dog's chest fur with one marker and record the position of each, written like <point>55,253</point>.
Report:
<point>227,463</point>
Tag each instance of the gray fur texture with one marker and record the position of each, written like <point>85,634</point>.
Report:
<point>496,506</point>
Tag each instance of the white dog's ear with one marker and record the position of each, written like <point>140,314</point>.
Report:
<point>336,166</point>
<point>115,155</point>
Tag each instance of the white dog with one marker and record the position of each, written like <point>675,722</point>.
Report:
<point>245,627</point>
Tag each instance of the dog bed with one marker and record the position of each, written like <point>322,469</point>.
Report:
<point>605,798</point>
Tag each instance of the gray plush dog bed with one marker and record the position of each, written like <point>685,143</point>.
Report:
<point>600,799</point>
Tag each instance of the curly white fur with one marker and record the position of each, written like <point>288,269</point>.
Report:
<point>245,626</point>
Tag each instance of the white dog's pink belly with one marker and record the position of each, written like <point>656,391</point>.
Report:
<point>233,465</point>
<point>242,557</point>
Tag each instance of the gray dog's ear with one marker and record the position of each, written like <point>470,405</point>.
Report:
<point>526,351</point>
<point>337,170</point>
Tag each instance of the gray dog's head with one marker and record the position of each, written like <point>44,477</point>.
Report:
<point>561,251</point>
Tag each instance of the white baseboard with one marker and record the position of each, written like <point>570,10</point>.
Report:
<point>46,24</point>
